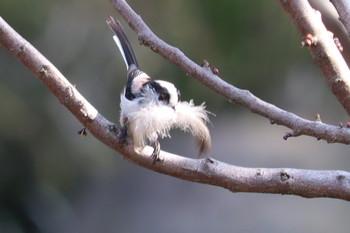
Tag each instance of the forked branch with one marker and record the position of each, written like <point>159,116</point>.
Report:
<point>322,47</point>
<point>304,183</point>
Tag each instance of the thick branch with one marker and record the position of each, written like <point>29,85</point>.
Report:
<point>343,9</point>
<point>322,48</point>
<point>244,98</point>
<point>304,183</point>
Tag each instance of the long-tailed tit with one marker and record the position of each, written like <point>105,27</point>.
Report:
<point>150,108</point>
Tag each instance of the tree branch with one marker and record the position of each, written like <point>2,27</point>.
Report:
<point>343,9</point>
<point>322,48</point>
<point>304,183</point>
<point>244,98</point>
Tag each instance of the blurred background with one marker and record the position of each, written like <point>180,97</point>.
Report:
<point>52,180</point>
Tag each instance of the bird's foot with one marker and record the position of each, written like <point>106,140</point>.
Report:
<point>156,152</point>
<point>122,135</point>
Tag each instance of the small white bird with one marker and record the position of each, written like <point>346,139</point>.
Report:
<point>151,108</point>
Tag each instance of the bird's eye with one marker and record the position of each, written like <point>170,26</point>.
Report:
<point>163,97</point>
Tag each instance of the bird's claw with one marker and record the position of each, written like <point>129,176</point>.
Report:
<point>122,135</point>
<point>156,152</point>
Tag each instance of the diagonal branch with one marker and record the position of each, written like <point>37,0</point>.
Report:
<point>305,183</point>
<point>343,9</point>
<point>244,98</point>
<point>322,48</point>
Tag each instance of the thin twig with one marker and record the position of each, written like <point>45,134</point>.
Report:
<point>298,125</point>
<point>305,183</point>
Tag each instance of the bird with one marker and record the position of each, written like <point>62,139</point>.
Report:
<point>150,108</point>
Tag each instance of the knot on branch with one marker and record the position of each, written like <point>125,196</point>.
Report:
<point>209,160</point>
<point>318,118</point>
<point>336,41</point>
<point>338,44</point>
<point>308,40</point>
<point>259,173</point>
<point>285,177</point>
<point>209,66</point>
<point>21,50</point>
<point>341,178</point>
<point>288,135</point>
<point>146,43</point>
<point>43,70</point>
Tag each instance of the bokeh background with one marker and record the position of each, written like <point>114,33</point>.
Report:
<point>52,180</point>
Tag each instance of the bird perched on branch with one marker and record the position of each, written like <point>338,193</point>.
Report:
<point>151,108</point>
